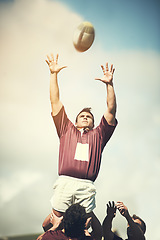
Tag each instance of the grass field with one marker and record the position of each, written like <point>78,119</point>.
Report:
<point>24,237</point>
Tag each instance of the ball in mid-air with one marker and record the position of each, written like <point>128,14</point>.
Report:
<point>83,36</point>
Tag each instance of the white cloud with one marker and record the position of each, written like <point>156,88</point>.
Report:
<point>15,183</point>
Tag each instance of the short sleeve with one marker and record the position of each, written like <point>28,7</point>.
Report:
<point>106,131</point>
<point>61,122</point>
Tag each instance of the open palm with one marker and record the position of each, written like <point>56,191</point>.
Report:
<point>108,74</point>
<point>53,64</point>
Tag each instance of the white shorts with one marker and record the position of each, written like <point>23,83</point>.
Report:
<point>70,190</point>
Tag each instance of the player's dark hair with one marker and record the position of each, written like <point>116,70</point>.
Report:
<point>74,221</point>
<point>88,109</point>
<point>143,225</point>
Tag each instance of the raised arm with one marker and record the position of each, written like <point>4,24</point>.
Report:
<point>107,223</point>
<point>111,98</point>
<point>134,228</point>
<point>56,104</point>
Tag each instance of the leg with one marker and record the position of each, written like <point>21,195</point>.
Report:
<point>53,221</point>
<point>96,227</point>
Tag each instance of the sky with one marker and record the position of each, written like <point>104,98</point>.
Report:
<point>126,34</point>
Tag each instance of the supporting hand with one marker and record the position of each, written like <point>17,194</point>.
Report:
<point>111,209</point>
<point>107,223</point>
<point>55,220</point>
<point>122,209</point>
<point>87,226</point>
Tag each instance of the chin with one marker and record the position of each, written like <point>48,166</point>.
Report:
<point>85,125</point>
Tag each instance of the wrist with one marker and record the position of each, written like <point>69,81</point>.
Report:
<point>110,217</point>
<point>109,84</point>
<point>53,73</point>
<point>127,216</point>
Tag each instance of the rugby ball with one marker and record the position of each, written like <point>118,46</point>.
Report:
<point>83,36</point>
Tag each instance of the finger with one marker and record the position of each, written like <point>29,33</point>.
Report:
<point>49,58</point>
<point>113,205</point>
<point>106,66</point>
<point>52,57</point>
<point>119,206</point>
<point>120,210</point>
<point>118,202</point>
<point>103,69</point>
<point>63,67</point>
<point>57,58</point>
<point>52,212</point>
<point>98,79</point>
<point>47,62</point>
<point>111,68</point>
<point>88,222</point>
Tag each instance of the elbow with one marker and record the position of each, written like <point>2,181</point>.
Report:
<point>112,110</point>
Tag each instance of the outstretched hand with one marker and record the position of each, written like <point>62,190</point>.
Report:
<point>111,209</point>
<point>53,64</point>
<point>122,209</point>
<point>108,74</point>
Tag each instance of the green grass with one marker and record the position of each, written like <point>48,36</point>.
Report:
<point>24,237</point>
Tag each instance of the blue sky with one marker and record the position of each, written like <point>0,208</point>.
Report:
<point>127,35</point>
<point>122,24</point>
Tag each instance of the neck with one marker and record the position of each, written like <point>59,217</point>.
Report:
<point>87,129</point>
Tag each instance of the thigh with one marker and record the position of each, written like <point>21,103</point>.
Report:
<point>85,195</point>
<point>63,195</point>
